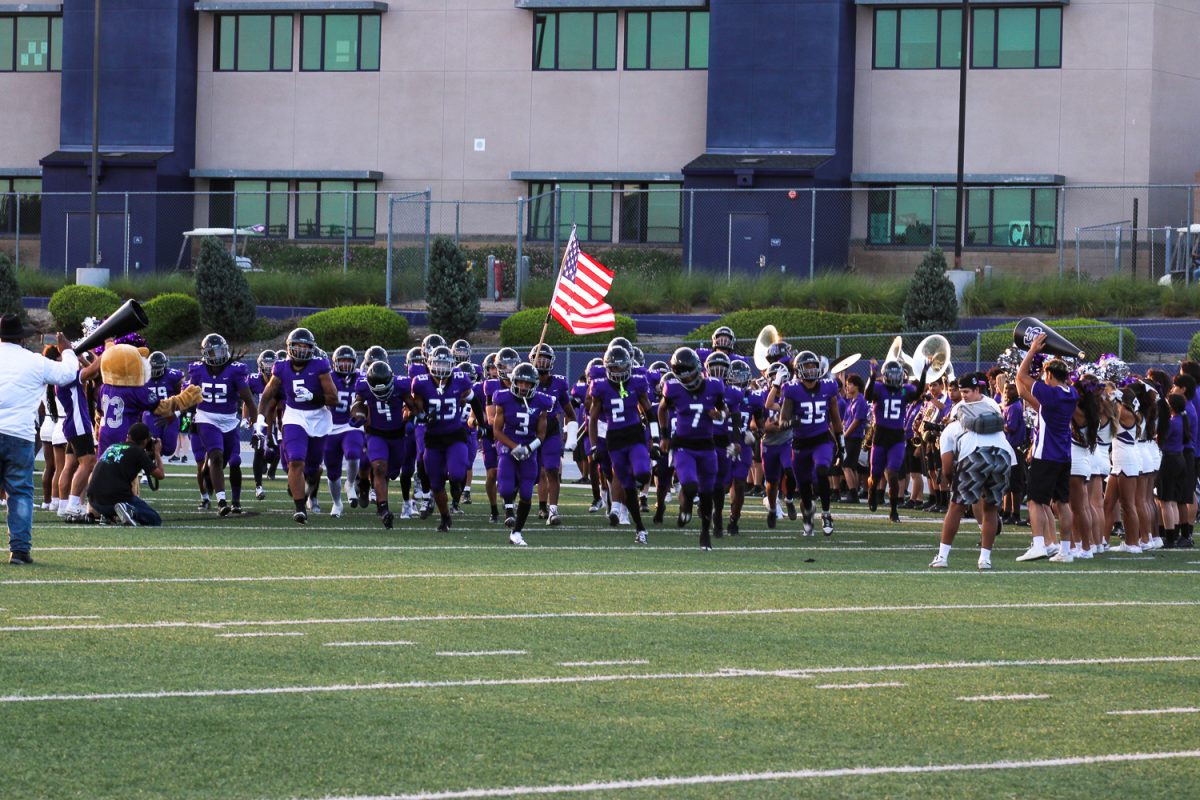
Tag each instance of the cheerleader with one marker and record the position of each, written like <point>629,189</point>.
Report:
<point>1101,463</point>
<point>1085,421</point>
<point>1150,455</point>
<point>1126,466</point>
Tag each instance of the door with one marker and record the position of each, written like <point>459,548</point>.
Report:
<point>748,240</point>
<point>110,241</point>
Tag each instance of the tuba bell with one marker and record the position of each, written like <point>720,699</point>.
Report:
<point>766,337</point>
<point>933,350</point>
<point>896,353</point>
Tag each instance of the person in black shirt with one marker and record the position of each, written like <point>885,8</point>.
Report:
<point>110,490</point>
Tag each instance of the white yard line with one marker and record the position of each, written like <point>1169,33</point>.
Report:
<point>1143,711</point>
<point>781,775</point>
<point>265,633</point>
<point>858,685</point>
<point>482,653</point>
<point>367,644</point>
<point>617,663</point>
<point>723,674</point>
<point>60,616</point>
<point>743,612</point>
<point>985,698</point>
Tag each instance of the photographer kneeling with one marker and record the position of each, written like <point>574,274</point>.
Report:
<point>110,490</point>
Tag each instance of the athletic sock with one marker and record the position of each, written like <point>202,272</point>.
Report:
<point>382,506</point>
<point>522,514</point>
<point>495,510</point>
<point>1039,541</point>
<point>985,554</point>
<point>299,504</point>
<point>220,496</point>
<point>943,551</point>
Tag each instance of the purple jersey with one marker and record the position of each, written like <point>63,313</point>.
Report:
<point>691,408</point>
<point>307,377</point>
<point>257,383</point>
<point>1052,438</point>
<point>120,407</point>
<point>556,386</point>
<point>490,387</point>
<point>856,411</point>
<point>810,407</point>
<point>443,404</point>
<point>579,397</point>
<point>77,417</point>
<point>166,385</point>
<point>520,417</point>
<point>739,409</point>
<point>387,414</point>
<point>888,404</point>
<point>346,385</point>
<point>415,370</point>
<point>619,408</point>
<point>1173,441</point>
<point>220,388</point>
<point>1015,429</point>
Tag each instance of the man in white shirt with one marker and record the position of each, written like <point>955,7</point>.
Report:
<point>24,375</point>
<point>976,458</point>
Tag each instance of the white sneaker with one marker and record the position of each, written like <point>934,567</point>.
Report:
<point>984,563</point>
<point>1033,553</point>
<point>260,493</point>
<point>766,502</point>
<point>1085,554</point>
<point>623,516</point>
<point>1127,548</point>
<point>406,509</point>
<point>1063,556</point>
<point>939,563</point>
<point>336,510</point>
<point>371,497</point>
<point>1156,543</point>
<point>314,505</point>
<point>1101,548</point>
<point>1052,549</point>
<point>596,506</point>
<point>515,538</point>
<point>641,538</point>
<point>668,498</point>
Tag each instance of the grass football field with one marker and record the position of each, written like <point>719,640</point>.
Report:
<point>249,657</point>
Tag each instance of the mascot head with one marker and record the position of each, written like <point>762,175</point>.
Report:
<point>125,365</point>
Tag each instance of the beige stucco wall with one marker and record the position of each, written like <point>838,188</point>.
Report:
<point>28,117</point>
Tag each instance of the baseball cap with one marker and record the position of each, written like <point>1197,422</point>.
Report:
<point>974,380</point>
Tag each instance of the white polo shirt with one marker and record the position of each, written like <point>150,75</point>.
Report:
<point>24,375</point>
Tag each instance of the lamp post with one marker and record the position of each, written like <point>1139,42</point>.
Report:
<point>92,218</point>
<point>959,193</point>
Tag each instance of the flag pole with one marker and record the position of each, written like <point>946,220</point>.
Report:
<point>561,265</point>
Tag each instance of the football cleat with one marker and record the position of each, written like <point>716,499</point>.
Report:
<point>554,519</point>
<point>300,517</point>
<point>771,517</point>
<point>596,507</point>
<point>510,521</point>
<point>260,493</point>
<point>494,518</point>
<point>894,516</point>
<point>543,513</point>
<point>733,527</point>
<point>640,538</point>
<point>808,520</point>
<point>222,508</point>
<point>684,518</point>
<point>388,519</point>
<point>659,513</point>
<point>444,525</point>
<point>235,509</point>
<point>614,518</point>
<point>827,523</point>
<point>426,510</point>
<point>466,496</point>
<point>791,510</point>
<point>939,563</point>
<point>205,505</point>
<point>516,538</point>
<point>336,510</point>
<point>406,509</point>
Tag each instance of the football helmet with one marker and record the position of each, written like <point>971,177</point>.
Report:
<point>637,356</point>
<point>617,364</point>
<point>660,367</point>
<point>775,369</point>
<point>414,356</point>
<point>542,358</point>
<point>374,353</point>
<point>489,366</point>
<point>301,345</point>
<point>524,380</point>
<point>344,360</point>
<point>685,365</point>
<point>739,374</point>
<point>266,362</point>
<point>381,380</point>
<point>158,364</point>
<point>717,365</point>
<point>214,350</point>
<point>779,351</point>
<point>723,338</point>
<point>893,374</point>
<point>621,341</point>
<point>441,363</point>
<point>461,350</point>
<point>430,342</point>
<point>807,366</point>
<point>506,361</point>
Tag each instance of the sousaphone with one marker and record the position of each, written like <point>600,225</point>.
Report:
<point>766,337</point>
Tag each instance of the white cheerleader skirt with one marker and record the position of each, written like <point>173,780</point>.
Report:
<point>1151,457</point>
<point>1081,461</point>
<point>1100,458</point>
<point>1126,460</point>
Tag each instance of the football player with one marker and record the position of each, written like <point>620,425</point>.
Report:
<point>621,401</point>
<point>304,382</point>
<point>439,398</point>
<point>266,449</point>
<point>889,399</point>
<point>381,406</point>
<point>223,383</point>
<point>809,407</point>
<point>550,454</point>
<point>519,418</point>
<point>165,381</point>
<point>345,440</point>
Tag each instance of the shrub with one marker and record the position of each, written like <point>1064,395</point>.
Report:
<point>1093,337</point>
<point>173,318</point>
<point>931,304</point>
<point>227,305</point>
<point>71,304</point>
<point>452,300</point>
<point>798,324</point>
<point>10,290</point>
<point>1193,351</point>
<point>524,328</point>
<point>358,326</point>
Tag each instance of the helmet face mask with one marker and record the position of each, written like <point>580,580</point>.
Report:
<point>893,374</point>
<point>524,380</point>
<point>685,365</point>
<point>301,346</point>
<point>158,364</point>
<point>344,360</point>
<point>738,374</point>
<point>381,380</point>
<point>617,364</point>
<point>717,365</point>
<point>441,363</point>
<point>723,338</point>
<point>542,357</point>
<point>808,366</point>
<point>214,350</point>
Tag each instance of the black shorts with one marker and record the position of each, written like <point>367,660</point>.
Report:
<point>82,445</point>
<point>853,448</point>
<point>1175,483</point>
<point>1016,478</point>
<point>913,461</point>
<point>1049,480</point>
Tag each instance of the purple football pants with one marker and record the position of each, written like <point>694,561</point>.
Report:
<point>450,464</point>
<point>696,467</point>
<point>890,458</point>
<point>513,475</point>
<point>389,451</point>
<point>777,459</point>
<point>211,438</point>
<point>339,446</point>
<point>631,465</point>
<point>807,460</point>
<point>299,446</point>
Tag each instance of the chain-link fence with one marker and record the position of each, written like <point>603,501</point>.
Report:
<point>1019,230</point>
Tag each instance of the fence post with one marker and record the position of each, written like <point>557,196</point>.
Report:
<point>17,195</point>
<point>556,214</point>
<point>345,231</point>
<point>234,225</point>
<point>1076,255</point>
<point>1120,342</point>
<point>812,236</point>
<point>428,223</point>
<point>387,283</point>
<point>567,370</point>
<point>1117,238</point>
<point>978,349</point>
<point>1191,216</point>
<point>691,227</point>
<point>837,344</point>
<point>1062,205</point>
<point>457,219</point>
<point>126,234</point>
<point>1167,262</point>
<point>520,237</point>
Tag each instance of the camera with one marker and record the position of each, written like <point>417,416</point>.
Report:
<point>151,445</point>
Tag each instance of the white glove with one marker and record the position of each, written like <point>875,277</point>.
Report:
<point>245,423</point>
<point>520,452</point>
<point>748,437</point>
<point>572,436</point>
<point>733,450</point>
<point>303,395</point>
<point>260,426</point>
<point>782,377</point>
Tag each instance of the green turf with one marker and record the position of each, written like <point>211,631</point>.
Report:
<point>719,694</point>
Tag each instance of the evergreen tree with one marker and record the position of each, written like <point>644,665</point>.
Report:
<point>451,296</point>
<point>227,305</point>
<point>931,304</point>
<point>10,290</point>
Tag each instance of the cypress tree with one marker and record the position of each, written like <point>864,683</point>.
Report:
<point>931,304</point>
<point>10,290</point>
<point>451,297</point>
<point>227,305</point>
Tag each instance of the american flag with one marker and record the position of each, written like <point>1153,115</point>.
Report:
<point>578,301</point>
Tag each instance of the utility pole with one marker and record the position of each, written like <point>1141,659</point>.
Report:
<point>92,218</point>
<point>960,192</point>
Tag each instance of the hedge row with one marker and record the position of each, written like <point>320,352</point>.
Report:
<point>358,326</point>
<point>794,324</point>
<point>524,328</point>
<point>1093,337</point>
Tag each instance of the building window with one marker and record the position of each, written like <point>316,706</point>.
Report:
<point>339,42</point>
<point>30,44</point>
<point>918,38</point>
<point>575,40</point>
<point>1006,217</point>
<point>259,204</point>
<point>652,213</point>
<point>588,206</point>
<point>253,43</point>
<point>666,40</point>
<point>328,209</point>
<point>1016,38</point>
<point>27,192</point>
